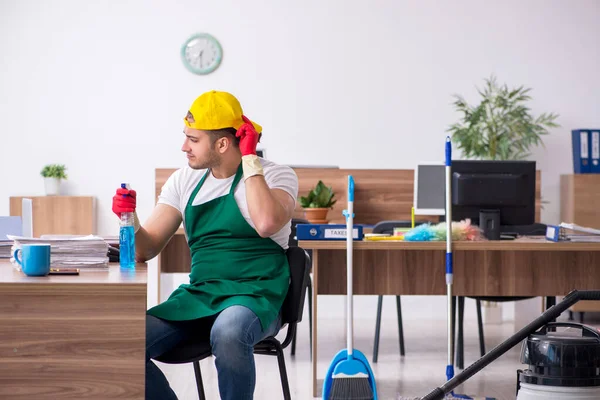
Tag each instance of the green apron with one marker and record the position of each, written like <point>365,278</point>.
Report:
<point>231,264</point>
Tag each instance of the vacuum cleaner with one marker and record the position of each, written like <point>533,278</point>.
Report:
<point>561,365</point>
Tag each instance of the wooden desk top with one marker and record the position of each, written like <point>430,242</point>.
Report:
<point>521,244</point>
<point>113,276</point>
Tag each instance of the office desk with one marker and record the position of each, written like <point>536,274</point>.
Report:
<point>72,337</point>
<point>523,267</point>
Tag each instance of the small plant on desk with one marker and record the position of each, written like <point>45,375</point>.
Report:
<point>317,203</point>
<point>53,174</point>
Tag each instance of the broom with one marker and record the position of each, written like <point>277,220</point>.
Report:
<point>449,270</point>
<point>349,376</point>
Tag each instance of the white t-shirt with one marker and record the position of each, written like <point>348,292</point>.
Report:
<point>180,185</point>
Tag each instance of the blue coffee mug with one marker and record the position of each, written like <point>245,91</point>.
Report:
<point>36,259</point>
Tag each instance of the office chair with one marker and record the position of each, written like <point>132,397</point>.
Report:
<point>388,227</point>
<point>291,313</point>
<point>550,301</point>
<point>293,242</point>
<point>460,324</point>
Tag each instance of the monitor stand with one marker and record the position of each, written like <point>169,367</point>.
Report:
<point>489,222</point>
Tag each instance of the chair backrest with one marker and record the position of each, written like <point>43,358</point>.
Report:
<point>293,305</point>
<point>293,240</point>
<point>388,226</point>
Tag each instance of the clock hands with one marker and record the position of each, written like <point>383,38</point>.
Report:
<point>200,56</point>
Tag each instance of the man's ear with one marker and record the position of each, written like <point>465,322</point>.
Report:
<point>222,144</point>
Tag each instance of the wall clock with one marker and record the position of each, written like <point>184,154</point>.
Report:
<point>201,54</point>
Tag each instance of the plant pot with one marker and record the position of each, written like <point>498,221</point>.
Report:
<point>52,186</point>
<point>316,215</point>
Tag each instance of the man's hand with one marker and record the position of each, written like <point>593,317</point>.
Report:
<point>124,201</point>
<point>248,137</point>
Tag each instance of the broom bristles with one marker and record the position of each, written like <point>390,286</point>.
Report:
<point>351,388</point>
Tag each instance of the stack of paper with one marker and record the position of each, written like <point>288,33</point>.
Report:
<point>580,233</point>
<point>5,248</point>
<point>84,252</point>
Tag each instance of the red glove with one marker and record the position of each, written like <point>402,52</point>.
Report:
<point>122,203</point>
<point>248,137</point>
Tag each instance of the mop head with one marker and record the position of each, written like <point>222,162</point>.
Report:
<point>449,397</point>
<point>461,231</point>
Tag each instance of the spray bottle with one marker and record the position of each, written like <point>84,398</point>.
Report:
<point>126,238</point>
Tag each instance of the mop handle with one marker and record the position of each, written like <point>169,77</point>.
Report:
<point>448,212</point>
<point>349,213</point>
<point>449,272</point>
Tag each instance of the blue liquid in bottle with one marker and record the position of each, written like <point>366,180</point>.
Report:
<point>127,239</point>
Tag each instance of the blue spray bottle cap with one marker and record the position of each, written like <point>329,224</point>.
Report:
<point>125,186</point>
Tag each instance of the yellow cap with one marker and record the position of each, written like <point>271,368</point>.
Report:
<point>216,110</point>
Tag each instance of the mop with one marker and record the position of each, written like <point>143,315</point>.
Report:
<point>349,376</point>
<point>449,270</point>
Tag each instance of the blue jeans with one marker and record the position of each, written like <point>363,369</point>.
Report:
<point>232,334</point>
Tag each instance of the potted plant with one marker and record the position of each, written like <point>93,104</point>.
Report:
<point>317,203</point>
<point>53,173</point>
<point>501,126</point>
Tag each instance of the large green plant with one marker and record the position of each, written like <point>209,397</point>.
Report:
<point>54,171</point>
<point>501,126</point>
<point>319,197</point>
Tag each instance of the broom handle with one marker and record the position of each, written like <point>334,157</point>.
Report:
<point>349,262</point>
<point>349,226</point>
<point>449,272</point>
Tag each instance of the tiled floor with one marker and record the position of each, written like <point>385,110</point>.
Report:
<point>414,375</point>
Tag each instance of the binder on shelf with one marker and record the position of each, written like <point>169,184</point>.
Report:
<point>581,151</point>
<point>595,147</point>
<point>326,232</point>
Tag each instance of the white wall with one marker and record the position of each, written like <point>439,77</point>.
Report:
<point>99,86</point>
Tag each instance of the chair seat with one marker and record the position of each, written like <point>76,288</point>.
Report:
<point>186,352</point>
<point>190,351</point>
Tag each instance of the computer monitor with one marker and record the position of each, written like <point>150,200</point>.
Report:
<point>506,186</point>
<point>430,189</point>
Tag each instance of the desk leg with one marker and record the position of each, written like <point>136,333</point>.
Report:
<point>315,269</point>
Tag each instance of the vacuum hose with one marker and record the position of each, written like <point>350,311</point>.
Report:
<point>549,315</point>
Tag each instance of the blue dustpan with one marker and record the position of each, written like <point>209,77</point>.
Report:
<point>355,364</point>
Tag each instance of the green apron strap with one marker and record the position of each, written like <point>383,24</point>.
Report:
<point>237,179</point>
<point>198,186</point>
